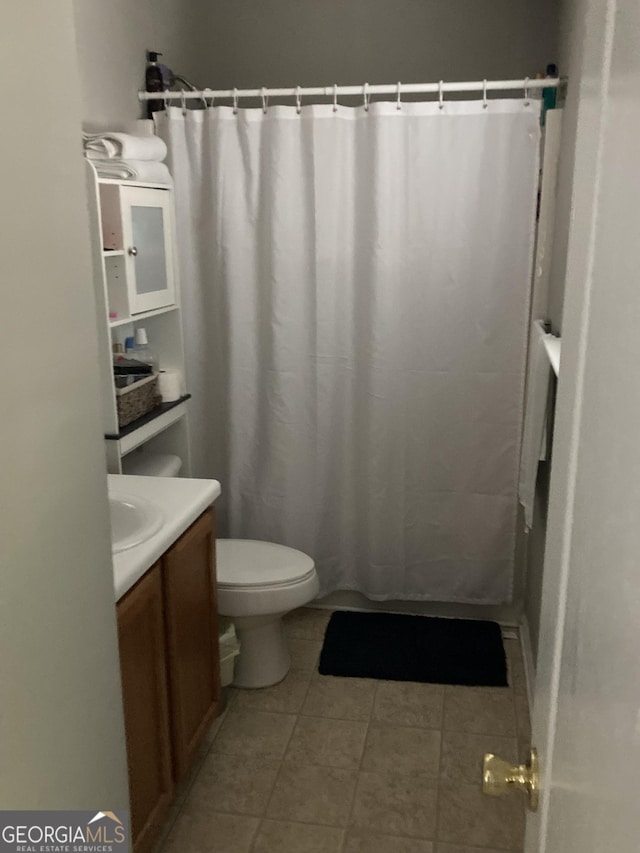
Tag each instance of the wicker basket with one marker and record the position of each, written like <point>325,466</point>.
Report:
<point>137,399</point>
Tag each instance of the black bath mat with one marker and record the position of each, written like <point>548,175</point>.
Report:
<point>414,648</point>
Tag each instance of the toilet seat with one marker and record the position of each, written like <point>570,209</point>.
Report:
<point>253,564</point>
<point>258,578</point>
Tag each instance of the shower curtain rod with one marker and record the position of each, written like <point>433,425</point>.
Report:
<point>397,89</point>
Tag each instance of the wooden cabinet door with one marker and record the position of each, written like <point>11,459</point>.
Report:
<point>141,636</point>
<point>192,635</point>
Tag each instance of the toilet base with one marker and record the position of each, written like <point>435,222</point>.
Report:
<point>264,656</point>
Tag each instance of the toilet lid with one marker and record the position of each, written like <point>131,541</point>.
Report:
<point>250,563</point>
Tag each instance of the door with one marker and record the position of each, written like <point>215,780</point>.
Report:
<point>147,242</point>
<point>146,710</point>
<point>586,721</point>
<point>192,638</point>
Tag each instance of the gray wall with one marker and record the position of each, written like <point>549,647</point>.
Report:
<point>112,36</point>
<point>245,43</point>
<point>242,43</point>
<point>61,728</point>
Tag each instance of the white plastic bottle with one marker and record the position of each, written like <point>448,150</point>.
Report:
<point>143,352</point>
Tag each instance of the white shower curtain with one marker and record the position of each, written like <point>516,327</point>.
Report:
<point>355,292</point>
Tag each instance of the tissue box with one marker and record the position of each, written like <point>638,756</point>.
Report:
<point>137,399</point>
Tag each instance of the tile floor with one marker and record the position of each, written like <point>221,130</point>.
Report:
<point>319,764</point>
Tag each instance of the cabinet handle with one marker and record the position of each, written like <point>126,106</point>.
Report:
<point>133,251</point>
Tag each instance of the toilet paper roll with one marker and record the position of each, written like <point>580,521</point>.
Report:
<point>170,385</point>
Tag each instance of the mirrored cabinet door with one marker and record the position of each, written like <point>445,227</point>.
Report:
<point>146,227</point>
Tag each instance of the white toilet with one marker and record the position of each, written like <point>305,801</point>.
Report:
<point>258,582</point>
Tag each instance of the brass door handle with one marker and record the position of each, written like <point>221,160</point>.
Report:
<point>499,777</point>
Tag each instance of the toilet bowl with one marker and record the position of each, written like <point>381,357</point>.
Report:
<point>258,582</point>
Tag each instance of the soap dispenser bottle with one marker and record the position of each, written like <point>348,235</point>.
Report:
<point>154,82</point>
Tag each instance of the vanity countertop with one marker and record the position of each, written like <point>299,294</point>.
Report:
<point>181,501</point>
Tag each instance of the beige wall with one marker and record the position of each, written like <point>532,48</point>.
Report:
<point>306,42</point>
<point>61,729</point>
<point>112,37</point>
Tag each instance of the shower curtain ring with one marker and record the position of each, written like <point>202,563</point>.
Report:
<point>526,91</point>
<point>398,101</point>
<point>440,96</point>
<point>207,93</point>
<point>484,95</point>
<point>335,97</point>
<point>298,100</point>
<point>183,101</point>
<point>235,102</point>
<point>365,92</point>
<point>265,100</point>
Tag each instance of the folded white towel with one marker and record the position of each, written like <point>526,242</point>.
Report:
<point>123,146</point>
<point>535,419</point>
<point>134,170</point>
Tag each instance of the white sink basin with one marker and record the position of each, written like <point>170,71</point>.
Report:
<point>133,520</point>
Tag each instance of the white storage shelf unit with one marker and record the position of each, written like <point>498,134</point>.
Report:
<point>136,285</point>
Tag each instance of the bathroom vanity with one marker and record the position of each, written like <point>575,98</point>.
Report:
<point>168,635</point>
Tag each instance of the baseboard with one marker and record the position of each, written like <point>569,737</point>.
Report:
<point>528,659</point>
